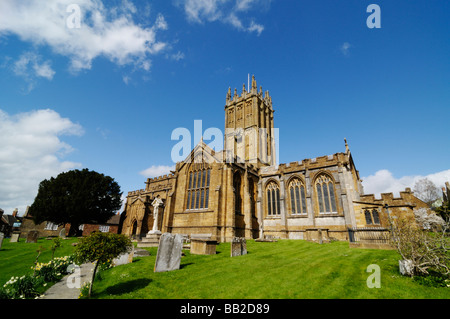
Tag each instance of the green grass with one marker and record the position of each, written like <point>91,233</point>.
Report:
<point>16,259</point>
<point>286,269</point>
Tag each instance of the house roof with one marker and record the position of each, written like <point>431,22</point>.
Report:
<point>9,219</point>
<point>114,220</point>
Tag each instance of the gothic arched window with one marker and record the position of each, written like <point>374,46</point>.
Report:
<point>368,217</point>
<point>297,193</point>
<point>375,217</point>
<point>198,189</point>
<point>372,218</point>
<point>273,199</point>
<point>325,194</point>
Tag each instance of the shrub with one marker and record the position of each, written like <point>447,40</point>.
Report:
<point>101,248</point>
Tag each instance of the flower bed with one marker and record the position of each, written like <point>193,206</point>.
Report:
<point>32,286</point>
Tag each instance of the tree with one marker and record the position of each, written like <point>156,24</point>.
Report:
<point>427,191</point>
<point>76,197</point>
<point>100,248</point>
<point>425,251</point>
<point>428,219</point>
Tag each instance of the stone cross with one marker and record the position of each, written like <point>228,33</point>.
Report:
<point>156,204</point>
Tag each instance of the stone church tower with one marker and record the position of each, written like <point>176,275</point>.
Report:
<point>249,127</point>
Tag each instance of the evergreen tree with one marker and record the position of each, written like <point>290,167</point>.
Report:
<point>76,197</point>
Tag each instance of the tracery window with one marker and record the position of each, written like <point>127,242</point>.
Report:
<point>273,199</point>
<point>325,194</point>
<point>297,193</point>
<point>198,189</point>
<point>372,218</point>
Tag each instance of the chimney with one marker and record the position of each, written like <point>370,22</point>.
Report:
<point>15,212</point>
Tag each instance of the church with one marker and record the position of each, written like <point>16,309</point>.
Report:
<point>242,192</point>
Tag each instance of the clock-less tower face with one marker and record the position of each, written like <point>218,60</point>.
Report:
<point>249,129</point>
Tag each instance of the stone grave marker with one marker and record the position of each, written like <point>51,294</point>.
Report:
<point>238,247</point>
<point>62,233</point>
<point>1,239</point>
<point>32,236</point>
<point>168,257</point>
<point>14,237</point>
<point>125,258</point>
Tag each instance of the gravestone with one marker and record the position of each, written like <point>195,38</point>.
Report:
<point>15,237</point>
<point>32,236</point>
<point>238,247</point>
<point>168,257</point>
<point>1,239</point>
<point>125,258</point>
<point>62,233</point>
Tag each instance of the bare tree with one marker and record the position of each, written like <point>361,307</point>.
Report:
<point>427,191</point>
<point>423,250</point>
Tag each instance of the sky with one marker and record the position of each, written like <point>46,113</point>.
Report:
<point>103,84</point>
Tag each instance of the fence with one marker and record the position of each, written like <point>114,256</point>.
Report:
<point>370,237</point>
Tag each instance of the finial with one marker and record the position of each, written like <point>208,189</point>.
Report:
<point>229,94</point>
<point>347,150</point>
<point>254,86</point>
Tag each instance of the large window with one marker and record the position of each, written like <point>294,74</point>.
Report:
<point>325,194</point>
<point>273,199</point>
<point>297,195</point>
<point>198,189</point>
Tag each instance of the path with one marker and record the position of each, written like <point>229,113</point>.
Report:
<point>61,289</point>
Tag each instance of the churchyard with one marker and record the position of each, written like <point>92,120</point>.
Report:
<point>286,269</point>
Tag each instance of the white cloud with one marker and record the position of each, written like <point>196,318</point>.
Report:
<point>384,182</point>
<point>255,27</point>
<point>104,32</point>
<point>176,56</point>
<point>30,67</point>
<point>155,171</point>
<point>126,79</point>
<point>345,48</point>
<point>31,151</point>
<point>225,11</point>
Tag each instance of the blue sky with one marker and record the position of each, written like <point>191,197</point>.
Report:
<point>107,96</point>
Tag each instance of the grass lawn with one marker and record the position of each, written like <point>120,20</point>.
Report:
<point>16,259</point>
<point>283,270</point>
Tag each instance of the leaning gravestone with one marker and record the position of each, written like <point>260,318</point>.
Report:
<point>168,257</point>
<point>62,233</point>
<point>1,239</point>
<point>238,247</point>
<point>32,236</point>
<point>14,238</point>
